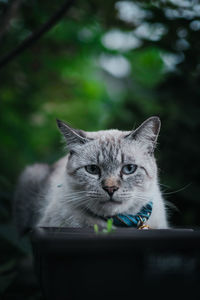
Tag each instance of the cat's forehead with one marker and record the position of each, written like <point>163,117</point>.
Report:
<point>110,146</point>
<point>105,135</point>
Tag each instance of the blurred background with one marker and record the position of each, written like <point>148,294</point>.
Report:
<point>105,64</point>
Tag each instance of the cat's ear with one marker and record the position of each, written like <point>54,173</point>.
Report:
<point>72,136</point>
<point>147,133</point>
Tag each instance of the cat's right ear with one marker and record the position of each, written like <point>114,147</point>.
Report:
<point>73,136</point>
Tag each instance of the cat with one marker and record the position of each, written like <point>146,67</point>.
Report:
<point>105,173</point>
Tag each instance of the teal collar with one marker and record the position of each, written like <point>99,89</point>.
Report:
<point>127,220</point>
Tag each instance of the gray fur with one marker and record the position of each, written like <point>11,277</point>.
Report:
<point>70,196</point>
<point>29,191</point>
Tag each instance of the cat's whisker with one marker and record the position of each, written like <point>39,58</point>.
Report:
<point>72,197</point>
<point>87,197</point>
<point>67,196</point>
<point>75,193</point>
<point>90,207</point>
<point>81,201</point>
<point>74,200</point>
<point>93,193</point>
<point>177,191</point>
<point>87,206</point>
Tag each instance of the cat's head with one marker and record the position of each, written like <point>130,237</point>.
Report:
<point>112,171</point>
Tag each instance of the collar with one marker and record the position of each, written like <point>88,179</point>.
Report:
<point>128,220</point>
<point>138,220</point>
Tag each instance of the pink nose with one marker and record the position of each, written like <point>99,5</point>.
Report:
<point>110,189</point>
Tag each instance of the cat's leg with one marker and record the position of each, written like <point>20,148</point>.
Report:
<point>28,194</point>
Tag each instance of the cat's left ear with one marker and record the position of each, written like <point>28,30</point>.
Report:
<point>73,136</point>
<point>147,133</point>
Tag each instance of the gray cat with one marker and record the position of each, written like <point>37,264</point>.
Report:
<point>106,173</point>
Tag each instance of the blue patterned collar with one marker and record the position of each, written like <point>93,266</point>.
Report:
<point>138,220</point>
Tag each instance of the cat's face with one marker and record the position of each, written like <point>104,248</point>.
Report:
<point>112,171</point>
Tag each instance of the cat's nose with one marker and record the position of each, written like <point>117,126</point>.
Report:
<point>110,189</point>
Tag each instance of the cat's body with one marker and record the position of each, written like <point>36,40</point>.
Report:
<point>105,173</point>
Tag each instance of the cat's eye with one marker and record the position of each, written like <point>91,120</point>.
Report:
<point>129,169</point>
<point>93,169</point>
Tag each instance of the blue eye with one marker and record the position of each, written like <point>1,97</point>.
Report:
<point>93,169</point>
<point>129,169</point>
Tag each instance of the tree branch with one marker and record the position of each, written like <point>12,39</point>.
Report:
<point>10,12</point>
<point>37,34</point>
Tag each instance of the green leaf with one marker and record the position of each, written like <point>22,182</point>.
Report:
<point>147,67</point>
<point>109,225</point>
<point>96,228</point>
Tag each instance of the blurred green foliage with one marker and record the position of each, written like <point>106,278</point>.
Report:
<point>104,65</point>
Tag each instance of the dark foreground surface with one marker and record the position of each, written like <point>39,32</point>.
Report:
<point>127,263</point>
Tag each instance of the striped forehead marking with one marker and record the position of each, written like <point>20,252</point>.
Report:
<point>109,149</point>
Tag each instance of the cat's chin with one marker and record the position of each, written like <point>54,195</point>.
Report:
<point>110,202</point>
<point>108,208</point>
